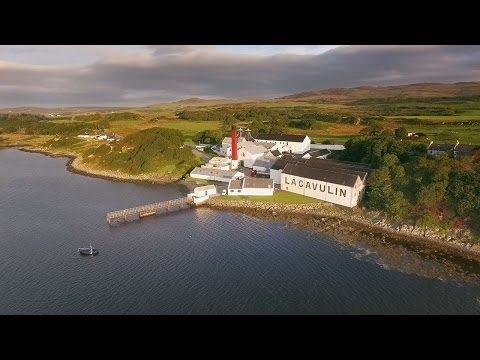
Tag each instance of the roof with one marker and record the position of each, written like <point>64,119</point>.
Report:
<point>279,164</point>
<point>326,165</point>
<point>279,137</point>
<point>228,139</point>
<point>327,146</point>
<point>204,188</point>
<point>338,164</point>
<point>257,183</point>
<point>462,149</point>
<point>276,153</point>
<point>339,178</point>
<point>214,172</point>
<point>264,162</point>
<point>235,184</point>
<point>317,153</point>
<point>440,147</point>
<point>255,149</point>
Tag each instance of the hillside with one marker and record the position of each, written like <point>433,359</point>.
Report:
<point>421,90</point>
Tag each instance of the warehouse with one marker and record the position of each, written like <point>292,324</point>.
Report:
<point>215,174</point>
<point>335,182</point>
<point>250,186</point>
<point>296,144</point>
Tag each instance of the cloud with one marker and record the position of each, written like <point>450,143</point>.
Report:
<point>127,76</point>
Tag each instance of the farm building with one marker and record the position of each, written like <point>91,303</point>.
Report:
<point>250,186</point>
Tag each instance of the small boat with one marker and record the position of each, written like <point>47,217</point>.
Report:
<point>88,250</point>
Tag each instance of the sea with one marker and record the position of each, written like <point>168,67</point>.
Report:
<point>194,261</point>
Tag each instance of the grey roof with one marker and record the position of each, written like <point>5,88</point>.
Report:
<point>463,149</point>
<point>254,149</point>
<point>333,177</point>
<point>214,172</point>
<point>264,162</point>
<point>257,183</point>
<point>339,164</point>
<point>317,153</point>
<point>326,165</point>
<point>440,147</point>
<point>279,164</point>
<point>323,152</point>
<point>235,184</point>
<point>279,137</point>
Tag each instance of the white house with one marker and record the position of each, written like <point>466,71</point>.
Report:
<point>251,186</point>
<point>215,174</point>
<point>296,144</point>
<point>339,188</point>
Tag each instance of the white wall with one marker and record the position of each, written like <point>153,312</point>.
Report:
<point>337,194</point>
<point>256,191</point>
<point>275,175</point>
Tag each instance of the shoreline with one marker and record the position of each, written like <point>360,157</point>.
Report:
<point>321,218</point>
<point>74,165</point>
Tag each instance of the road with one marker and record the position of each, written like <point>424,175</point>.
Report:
<point>200,154</point>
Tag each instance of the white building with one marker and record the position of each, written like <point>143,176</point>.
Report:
<point>216,174</point>
<point>248,154</point>
<point>205,190</point>
<point>202,193</point>
<point>296,144</point>
<point>226,149</point>
<point>251,186</point>
<point>337,185</point>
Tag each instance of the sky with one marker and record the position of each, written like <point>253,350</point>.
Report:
<point>137,75</point>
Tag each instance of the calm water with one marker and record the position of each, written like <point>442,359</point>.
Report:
<point>197,261</point>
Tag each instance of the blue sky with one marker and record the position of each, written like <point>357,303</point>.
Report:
<point>135,75</point>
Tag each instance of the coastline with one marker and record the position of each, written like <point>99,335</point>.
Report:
<point>75,165</point>
<point>322,218</point>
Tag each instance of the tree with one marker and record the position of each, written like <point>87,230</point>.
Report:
<point>401,133</point>
<point>373,129</point>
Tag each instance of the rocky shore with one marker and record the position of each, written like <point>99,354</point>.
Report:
<point>76,165</point>
<point>327,219</point>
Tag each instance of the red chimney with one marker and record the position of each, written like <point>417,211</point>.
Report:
<point>234,143</point>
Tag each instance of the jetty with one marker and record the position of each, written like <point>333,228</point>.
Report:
<point>149,210</point>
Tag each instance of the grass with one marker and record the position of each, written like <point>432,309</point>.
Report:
<point>188,128</point>
<point>279,196</point>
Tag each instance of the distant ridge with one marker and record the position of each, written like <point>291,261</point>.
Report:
<point>63,110</point>
<point>373,92</point>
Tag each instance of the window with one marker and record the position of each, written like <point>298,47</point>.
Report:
<point>231,190</point>
<point>239,190</point>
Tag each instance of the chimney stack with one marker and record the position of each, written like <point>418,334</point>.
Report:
<point>234,163</point>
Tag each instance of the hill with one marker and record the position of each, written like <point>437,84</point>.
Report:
<point>420,90</point>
